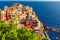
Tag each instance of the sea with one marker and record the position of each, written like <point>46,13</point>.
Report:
<point>47,12</point>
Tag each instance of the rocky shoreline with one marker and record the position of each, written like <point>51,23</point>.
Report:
<point>52,29</point>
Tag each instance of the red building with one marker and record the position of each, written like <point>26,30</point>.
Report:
<point>0,15</point>
<point>8,15</point>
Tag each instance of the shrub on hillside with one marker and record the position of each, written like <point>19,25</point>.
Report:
<point>9,31</point>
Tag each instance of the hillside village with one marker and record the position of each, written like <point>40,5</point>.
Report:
<point>23,15</point>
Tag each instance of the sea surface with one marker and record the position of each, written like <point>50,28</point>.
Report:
<point>47,12</point>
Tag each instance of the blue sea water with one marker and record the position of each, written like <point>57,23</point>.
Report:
<point>47,12</point>
<point>53,35</point>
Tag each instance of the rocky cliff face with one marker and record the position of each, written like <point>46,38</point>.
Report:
<point>28,18</point>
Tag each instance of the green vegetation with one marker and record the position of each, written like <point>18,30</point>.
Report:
<point>43,38</point>
<point>9,31</point>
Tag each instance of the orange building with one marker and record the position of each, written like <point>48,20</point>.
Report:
<point>28,24</point>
